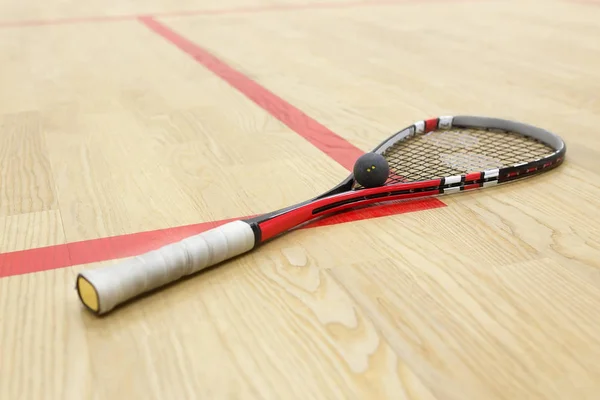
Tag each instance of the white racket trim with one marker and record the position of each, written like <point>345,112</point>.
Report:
<point>115,284</point>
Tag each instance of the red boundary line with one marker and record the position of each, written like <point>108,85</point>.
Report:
<point>103,249</point>
<point>321,137</point>
<point>115,247</point>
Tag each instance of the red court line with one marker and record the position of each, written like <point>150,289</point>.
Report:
<point>88,251</point>
<point>83,252</point>
<point>210,12</point>
<point>321,137</point>
<point>115,247</point>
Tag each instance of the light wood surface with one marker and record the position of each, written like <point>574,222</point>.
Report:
<point>108,129</point>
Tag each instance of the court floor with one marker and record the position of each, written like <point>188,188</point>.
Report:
<point>128,125</point>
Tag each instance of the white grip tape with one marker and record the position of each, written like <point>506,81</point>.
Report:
<point>120,282</point>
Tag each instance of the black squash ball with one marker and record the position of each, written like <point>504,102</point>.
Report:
<point>371,170</point>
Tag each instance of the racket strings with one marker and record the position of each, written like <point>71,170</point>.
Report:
<point>457,151</point>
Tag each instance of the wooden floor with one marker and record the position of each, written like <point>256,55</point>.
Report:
<point>125,125</point>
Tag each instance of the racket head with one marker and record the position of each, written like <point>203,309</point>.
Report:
<point>429,158</point>
<point>463,147</point>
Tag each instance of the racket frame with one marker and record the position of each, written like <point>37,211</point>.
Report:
<point>103,289</point>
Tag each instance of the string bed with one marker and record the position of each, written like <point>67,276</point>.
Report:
<point>457,151</point>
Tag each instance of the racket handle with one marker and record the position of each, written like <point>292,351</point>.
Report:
<point>103,289</point>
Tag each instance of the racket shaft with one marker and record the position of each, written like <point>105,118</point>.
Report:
<point>118,283</point>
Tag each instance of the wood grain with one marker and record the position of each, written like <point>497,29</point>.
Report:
<point>522,330</point>
<point>26,181</point>
<point>108,129</point>
<point>31,230</point>
<point>283,329</point>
